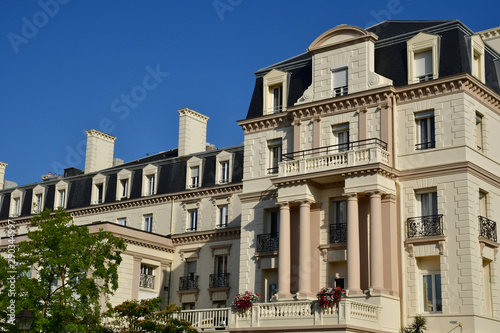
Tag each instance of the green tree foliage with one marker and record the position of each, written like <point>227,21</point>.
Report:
<point>418,326</point>
<point>63,272</point>
<point>146,316</point>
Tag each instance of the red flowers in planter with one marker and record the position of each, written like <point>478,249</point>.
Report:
<point>328,297</point>
<point>244,301</point>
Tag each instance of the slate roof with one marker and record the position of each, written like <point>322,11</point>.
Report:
<point>390,58</point>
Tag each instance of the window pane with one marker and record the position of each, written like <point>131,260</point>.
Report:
<point>439,303</point>
<point>423,63</point>
<point>427,289</point>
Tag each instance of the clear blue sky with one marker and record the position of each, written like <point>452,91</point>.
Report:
<point>65,69</point>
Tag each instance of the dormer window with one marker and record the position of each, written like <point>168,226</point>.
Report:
<point>339,81</point>
<point>16,209</point>
<point>99,188</point>
<point>150,185</point>
<point>275,96</point>
<point>423,66</point>
<point>423,57</point>
<point>224,164</point>
<point>123,184</point>
<point>149,180</point>
<point>195,177</point>
<point>37,199</point>
<point>99,193</point>
<point>61,194</point>
<point>194,173</point>
<point>477,58</point>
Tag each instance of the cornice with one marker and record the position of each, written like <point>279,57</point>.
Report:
<point>149,245</point>
<point>207,236</point>
<point>158,199</point>
<point>99,134</point>
<point>259,196</point>
<point>449,85</point>
<point>264,123</point>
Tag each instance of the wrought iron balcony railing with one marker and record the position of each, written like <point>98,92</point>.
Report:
<point>354,145</point>
<point>424,226</point>
<point>338,233</point>
<point>219,280</point>
<point>147,281</point>
<point>487,228</point>
<point>188,282</point>
<point>425,145</point>
<point>267,242</point>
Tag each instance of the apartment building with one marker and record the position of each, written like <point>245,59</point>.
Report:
<point>368,163</point>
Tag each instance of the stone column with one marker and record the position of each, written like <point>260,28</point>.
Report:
<point>353,259</point>
<point>305,250</point>
<point>376,242</point>
<point>284,253</point>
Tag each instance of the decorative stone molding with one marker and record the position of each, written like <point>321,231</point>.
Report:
<point>440,241</point>
<point>206,236</point>
<point>98,134</point>
<point>265,123</point>
<point>149,245</point>
<point>491,244</point>
<point>226,247</point>
<point>195,253</point>
<point>193,114</point>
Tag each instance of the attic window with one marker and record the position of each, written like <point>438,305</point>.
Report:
<point>339,81</point>
<point>477,58</point>
<point>275,94</point>
<point>423,57</point>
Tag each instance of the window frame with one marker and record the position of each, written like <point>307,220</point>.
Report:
<point>425,126</point>
<point>192,220</point>
<point>120,220</point>
<point>193,163</point>
<point>223,218</point>
<point>98,189</point>
<point>149,172</point>
<point>274,79</point>
<point>148,223</point>
<point>340,74</point>
<point>341,132</point>
<point>437,300</point>
<point>275,153</point>
<point>422,42</point>
<point>479,118</point>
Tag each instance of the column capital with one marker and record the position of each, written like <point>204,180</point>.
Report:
<point>351,196</point>
<point>305,202</point>
<point>284,204</point>
<point>375,193</point>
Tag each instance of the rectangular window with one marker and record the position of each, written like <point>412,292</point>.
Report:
<point>99,193</point>
<point>428,204</point>
<point>339,78</point>
<point>151,185</point>
<point>124,188</point>
<point>148,223</point>
<point>38,204</point>
<point>482,204</point>
<point>122,221</point>
<point>62,198</point>
<point>341,136</point>
<point>191,269</point>
<point>147,278</point>
<point>423,66</point>
<point>220,265</point>
<point>425,130</point>
<point>275,155</point>
<point>339,212</point>
<point>195,177</point>
<point>479,131</point>
<point>274,223</point>
<point>277,99</point>
<point>476,66</point>
<point>223,216</point>
<point>487,287</point>
<point>192,219</point>
<point>431,288</point>
<point>224,167</point>
<point>17,207</point>
<point>339,282</point>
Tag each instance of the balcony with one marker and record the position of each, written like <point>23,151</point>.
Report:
<point>424,226</point>
<point>292,315</point>
<point>487,228</point>
<point>338,233</point>
<point>189,282</point>
<point>147,281</point>
<point>343,155</point>
<point>267,242</point>
<point>219,280</point>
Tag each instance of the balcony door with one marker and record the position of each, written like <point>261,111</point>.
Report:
<point>428,204</point>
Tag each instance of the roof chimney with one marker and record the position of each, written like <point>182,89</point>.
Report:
<point>192,132</point>
<point>2,174</point>
<point>100,149</point>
